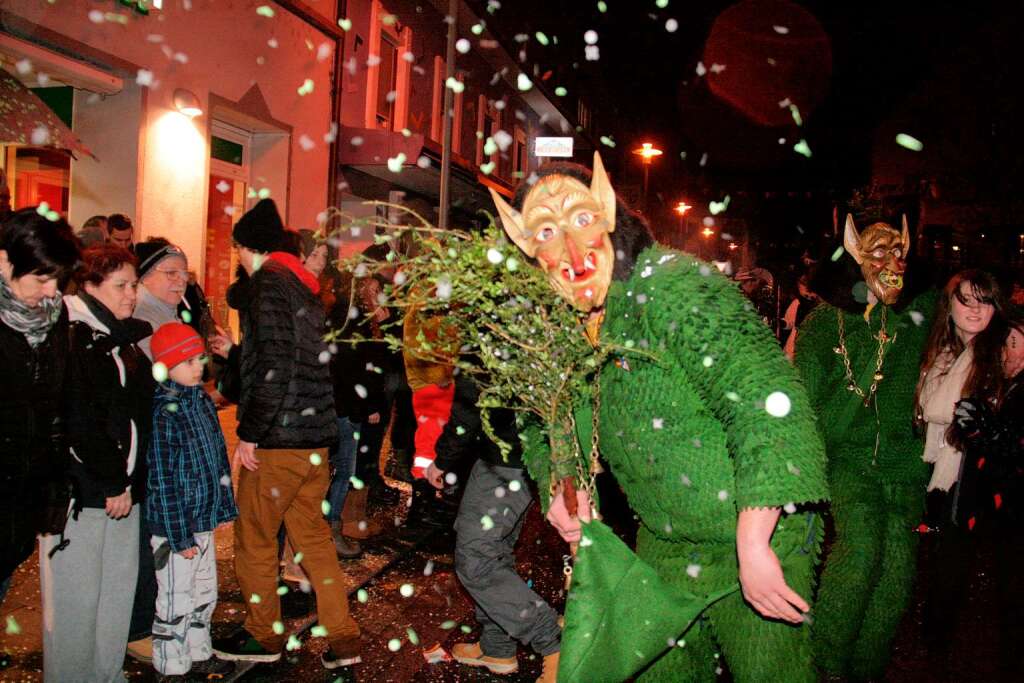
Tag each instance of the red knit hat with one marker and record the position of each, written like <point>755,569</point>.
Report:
<point>175,343</point>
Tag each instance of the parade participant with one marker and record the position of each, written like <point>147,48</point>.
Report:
<point>858,353</point>
<point>705,466</point>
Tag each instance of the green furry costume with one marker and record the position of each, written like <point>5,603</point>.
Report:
<point>688,439</point>
<point>877,491</point>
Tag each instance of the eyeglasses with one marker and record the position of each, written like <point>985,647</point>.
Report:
<point>173,274</point>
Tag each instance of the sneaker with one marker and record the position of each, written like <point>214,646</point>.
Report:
<point>470,654</point>
<point>330,660</point>
<point>550,674</point>
<point>211,669</point>
<point>141,650</point>
<point>242,647</point>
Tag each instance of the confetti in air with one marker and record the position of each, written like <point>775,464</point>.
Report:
<point>463,46</point>
<point>837,254</point>
<point>159,372</point>
<point>777,404</point>
<point>265,11</point>
<point>486,522</point>
<point>362,596</point>
<point>909,142</point>
<point>802,148</point>
<point>523,82</point>
<point>394,644</point>
<point>306,87</point>
<point>316,459</point>
<point>395,163</point>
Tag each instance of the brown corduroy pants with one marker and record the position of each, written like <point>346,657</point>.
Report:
<point>287,487</point>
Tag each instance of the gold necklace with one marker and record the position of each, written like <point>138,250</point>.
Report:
<point>883,339</point>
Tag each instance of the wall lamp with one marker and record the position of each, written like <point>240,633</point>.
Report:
<point>186,102</point>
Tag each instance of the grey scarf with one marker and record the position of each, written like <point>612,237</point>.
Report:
<point>33,322</point>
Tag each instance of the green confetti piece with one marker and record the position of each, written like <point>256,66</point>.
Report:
<point>602,7</point>
<point>306,87</point>
<point>605,140</point>
<point>718,207</point>
<point>487,168</point>
<point>43,209</point>
<point>277,627</point>
<point>477,29</point>
<point>325,507</point>
<point>159,372</point>
<point>708,361</point>
<point>345,24</point>
<point>293,643</point>
<point>407,590</point>
<point>395,164</point>
<point>316,459</point>
<point>795,111</point>
<point>466,629</point>
<point>52,216</point>
<point>13,628</point>
<point>319,631</point>
<point>733,396</point>
<point>512,264</point>
<point>362,596</point>
<point>356,482</point>
<point>265,11</point>
<point>514,485</point>
<point>460,430</point>
<point>264,193</point>
<point>413,637</point>
<point>838,253</point>
<point>661,4</point>
<point>909,142</point>
<point>561,92</point>
<point>542,39</point>
<point>394,645</point>
<point>282,590</point>
<point>298,558</point>
<point>255,599</point>
<point>406,133</point>
<point>490,147</point>
<point>186,317</point>
<point>486,522</point>
<point>389,20</point>
<point>802,148</point>
<point>448,625</point>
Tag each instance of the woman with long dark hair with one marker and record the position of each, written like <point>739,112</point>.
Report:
<point>88,583</point>
<point>970,400</point>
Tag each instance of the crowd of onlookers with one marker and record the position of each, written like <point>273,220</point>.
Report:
<point>112,451</point>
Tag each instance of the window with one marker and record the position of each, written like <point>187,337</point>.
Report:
<point>520,154</point>
<point>388,71</point>
<point>437,110</point>
<point>488,122</point>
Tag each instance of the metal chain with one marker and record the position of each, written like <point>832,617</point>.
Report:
<point>883,339</point>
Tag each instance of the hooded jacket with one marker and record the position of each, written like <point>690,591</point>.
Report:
<point>109,394</point>
<point>287,396</point>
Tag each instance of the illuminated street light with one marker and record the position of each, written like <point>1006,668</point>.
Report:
<point>707,232</point>
<point>682,208</point>
<point>647,151</point>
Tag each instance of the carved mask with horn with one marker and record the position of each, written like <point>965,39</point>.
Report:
<point>566,226</point>
<point>881,251</point>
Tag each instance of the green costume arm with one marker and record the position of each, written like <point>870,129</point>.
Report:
<point>735,364</point>
<point>811,342</point>
<point>537,458</point>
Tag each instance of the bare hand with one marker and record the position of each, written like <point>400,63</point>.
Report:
<point>434,476</point>
<point>189,553</point>
<point>220,343</point>
<point>374,418</point>
<point>765,588</point>
<point>245,452</point>
<point>569,527</point>
<point>118,507</point>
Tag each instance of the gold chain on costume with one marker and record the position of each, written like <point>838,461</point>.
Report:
<point>883,339</point>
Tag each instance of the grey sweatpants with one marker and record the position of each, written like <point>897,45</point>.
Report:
<point>88,589</point>
<point>185,599</point>
<point>485,563</point>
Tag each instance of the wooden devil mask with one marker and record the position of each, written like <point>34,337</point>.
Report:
<point>881,251</point>
<point>566,226</point>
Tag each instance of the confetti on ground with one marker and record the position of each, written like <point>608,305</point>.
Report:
<point>658,423</point>
<point>448,625</point>
<point>319,631</point>
<point>494,256</point>
<point>293,643</point>
<point>406,590</point>
<point>13,628</point>
<point>909,142</point>
<point>723,495</point>
<point>394,644</point>
<point>790,508</point>
<point>708,361</point>
<point>777,404</point>
<point>413,636</point>
<point>693,570</point>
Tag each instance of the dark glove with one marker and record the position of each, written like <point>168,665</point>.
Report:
<point>976,421</point>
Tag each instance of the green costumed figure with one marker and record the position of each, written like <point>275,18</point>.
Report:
<point>707,430</point>
<point>859,354</point>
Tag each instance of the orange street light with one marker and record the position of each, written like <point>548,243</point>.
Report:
<point>707,232</point>
<point>647,151</point>
<point>682,208</point>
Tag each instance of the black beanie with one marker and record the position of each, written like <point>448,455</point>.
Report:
<point>260,228</point>
<point>152,252</point>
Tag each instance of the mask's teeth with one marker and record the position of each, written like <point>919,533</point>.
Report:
<point>588,262</point>
<point>572,274</point>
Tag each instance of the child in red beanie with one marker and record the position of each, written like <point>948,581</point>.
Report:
<point>189,495</point>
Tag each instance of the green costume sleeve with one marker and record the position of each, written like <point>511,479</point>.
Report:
<point>537,458</point>
<point>809,344</point>
<point>735,364</point>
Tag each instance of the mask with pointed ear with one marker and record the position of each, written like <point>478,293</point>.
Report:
<point>881,252</point>
<point>566,227</point>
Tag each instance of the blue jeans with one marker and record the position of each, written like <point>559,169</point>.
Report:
<point>343,460</point>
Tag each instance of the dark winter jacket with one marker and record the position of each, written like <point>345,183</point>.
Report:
<point>108,401</point>
<point>359,370</point>
<point>287,398</point>
<point>189,489</point>
<point>32,461</point>
<point>991,484</point>
<point>464,434</point>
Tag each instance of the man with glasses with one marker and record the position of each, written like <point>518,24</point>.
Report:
<point>163,276</point>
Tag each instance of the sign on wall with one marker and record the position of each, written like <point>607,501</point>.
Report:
<point>553,147</point>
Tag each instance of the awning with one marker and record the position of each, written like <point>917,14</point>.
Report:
<point>26,120</point>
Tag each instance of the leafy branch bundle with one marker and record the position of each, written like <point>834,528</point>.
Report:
<point>496,317</point>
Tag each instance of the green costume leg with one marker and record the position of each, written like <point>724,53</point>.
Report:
<point>894,589</point>
<point>693,663</point>
<point>852,569</point>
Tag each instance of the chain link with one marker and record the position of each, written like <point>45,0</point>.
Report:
<point>883,339</point>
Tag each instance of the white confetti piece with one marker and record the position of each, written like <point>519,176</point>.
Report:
<point>917,317</point>
<point>693,570</point>
<point>723,495</point>
<point>316,459</point>
<point>777,404</point>
<point>394,644</point>
<point>361,391</point>
<point>658,423</point>
<point>406,590</point>
<point>144,78</point>
<point>523,82</point>
<point>486,522</point>
<point>395,163</point>
<point>790,508</point>
<point>495,256</point>
<point>463,46</point>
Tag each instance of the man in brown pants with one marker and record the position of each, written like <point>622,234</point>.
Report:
<point>286,424</point>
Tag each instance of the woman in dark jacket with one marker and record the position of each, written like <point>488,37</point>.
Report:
<point>35,254</point>
<point>89,586</point>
